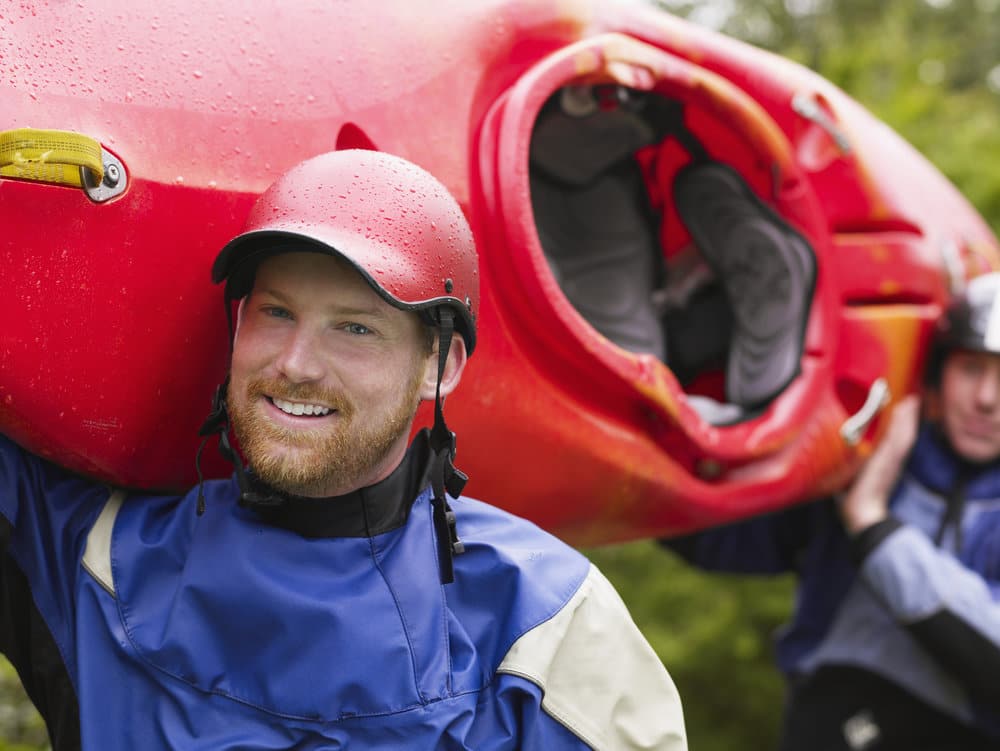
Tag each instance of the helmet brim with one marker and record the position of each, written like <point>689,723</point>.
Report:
<point>237,263</point>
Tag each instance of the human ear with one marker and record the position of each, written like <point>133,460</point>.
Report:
<point>454,366</point>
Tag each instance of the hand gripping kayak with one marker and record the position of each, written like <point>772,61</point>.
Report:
<point>62,157</point>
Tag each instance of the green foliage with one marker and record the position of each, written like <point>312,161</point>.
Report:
<point>928,69</point>
<point>715,634</point>
<point>21,729</point>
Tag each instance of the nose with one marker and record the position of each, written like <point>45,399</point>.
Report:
<point>299,359</point>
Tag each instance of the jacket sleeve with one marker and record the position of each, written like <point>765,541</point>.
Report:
<point>45,513</point>
<point>952,609</point>
<point>601,685</point>
<point>769,544</point>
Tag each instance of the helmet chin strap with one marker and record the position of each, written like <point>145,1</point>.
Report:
<point>444,475</point>
<point>217,422</point>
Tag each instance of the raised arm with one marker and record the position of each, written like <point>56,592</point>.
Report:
<point>44,515</point>
<point>770,544</point>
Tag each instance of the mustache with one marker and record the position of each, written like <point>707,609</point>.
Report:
<point>299,392</point>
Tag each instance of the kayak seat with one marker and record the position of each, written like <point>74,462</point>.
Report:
<point>602,249</point>
<point>595,223</point>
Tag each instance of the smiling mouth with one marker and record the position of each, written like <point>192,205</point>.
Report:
<point>300,409</point>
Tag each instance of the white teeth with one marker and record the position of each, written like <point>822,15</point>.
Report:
<point>298,408</point>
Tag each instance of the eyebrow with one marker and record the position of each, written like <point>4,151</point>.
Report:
<point>373,311</point>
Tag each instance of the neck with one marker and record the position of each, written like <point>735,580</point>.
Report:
<point>360,512</point>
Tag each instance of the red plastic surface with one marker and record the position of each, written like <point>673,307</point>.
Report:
<point>114,337</point>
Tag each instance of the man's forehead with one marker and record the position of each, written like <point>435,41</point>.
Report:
<point>282,259</point>
<point>322,280</point>
<point>965,355</point>
<point>306,269</point>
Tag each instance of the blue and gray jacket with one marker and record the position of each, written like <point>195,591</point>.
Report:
<point>136,624</point>
<point>914,599</point>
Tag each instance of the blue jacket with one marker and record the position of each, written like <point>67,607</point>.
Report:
<point>325,631</point>
<point>914,599</point>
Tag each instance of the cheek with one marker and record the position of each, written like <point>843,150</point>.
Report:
<point>251,351</point>
<point>956,387</point>
<point>240,365</point>
<point>404,378</point>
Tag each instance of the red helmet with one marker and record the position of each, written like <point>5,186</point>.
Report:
<point>391,220</point>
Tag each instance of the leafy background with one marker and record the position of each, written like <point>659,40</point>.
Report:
<point>931,70</point>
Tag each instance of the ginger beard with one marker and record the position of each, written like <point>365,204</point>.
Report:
<point>310,462</point>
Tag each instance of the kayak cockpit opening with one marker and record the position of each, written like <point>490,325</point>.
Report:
<point>665,249</point>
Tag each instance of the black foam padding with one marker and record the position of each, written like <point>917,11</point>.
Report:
<point>698,333</point>
<point>768,272</point>
<point>601,241</point>
<point>576,149</point>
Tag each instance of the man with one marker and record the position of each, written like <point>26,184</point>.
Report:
<point>337,594</point>
<point>895,640</point>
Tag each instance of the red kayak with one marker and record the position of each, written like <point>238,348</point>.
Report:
<point>705,270</point>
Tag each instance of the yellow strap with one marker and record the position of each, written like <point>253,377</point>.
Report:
<point>50,156</point>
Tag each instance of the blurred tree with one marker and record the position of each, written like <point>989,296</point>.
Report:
<point>21,728</point>
<point>928,68</point>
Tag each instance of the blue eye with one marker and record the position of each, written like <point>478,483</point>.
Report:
<point>357,329</point>
<point>276,312</point>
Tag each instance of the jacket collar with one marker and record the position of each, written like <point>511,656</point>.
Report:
<point>366,512</point>
<point>936,466</point>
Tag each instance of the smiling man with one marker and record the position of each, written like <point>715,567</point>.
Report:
<point>323,389</point>
<point>338,592</point>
